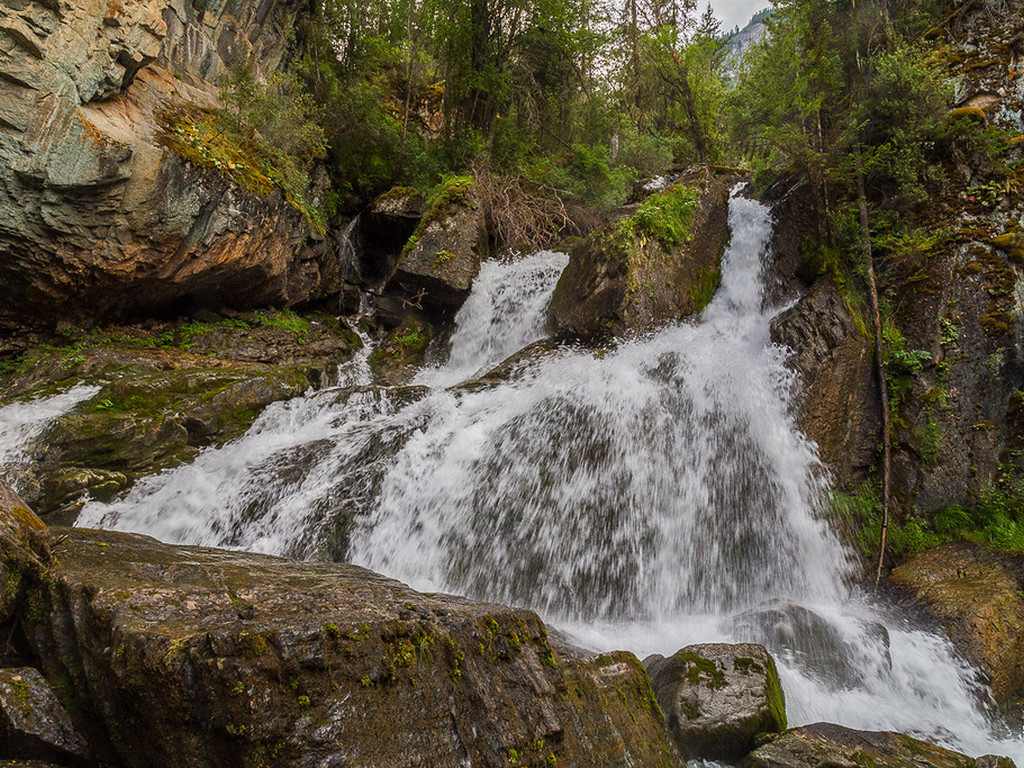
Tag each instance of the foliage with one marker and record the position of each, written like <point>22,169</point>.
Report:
<point>668,217</point>
<point>996,519</point>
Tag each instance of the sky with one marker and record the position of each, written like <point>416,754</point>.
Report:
<point>736,13</point>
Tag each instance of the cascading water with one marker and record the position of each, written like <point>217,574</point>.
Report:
<point>21,423</point>
<point>647,498</point>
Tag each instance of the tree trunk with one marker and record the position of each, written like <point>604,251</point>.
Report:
<point>883,386</point>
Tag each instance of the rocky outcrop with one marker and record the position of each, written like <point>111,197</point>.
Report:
<point>23,550</point>
<point>438,264</point>
<point>658,264</point>
<point>718,698</point>
<point>837,397</point>
<point>33,724</point>
<point>824,745</point>
<point>976,592</point>
<point>956,331</point>
<point>96,215</point>
<point>163,393</point>
<point>224,658</point>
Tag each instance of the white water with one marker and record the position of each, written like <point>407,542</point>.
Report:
<point>648,498</point>
<point>21,423</point>
<point>504,313</point>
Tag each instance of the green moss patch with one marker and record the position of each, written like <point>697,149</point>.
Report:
<point>203,139</point>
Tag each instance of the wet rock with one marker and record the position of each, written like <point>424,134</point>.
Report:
<point>23,550</point>
<point>165,393</point>
<point>819,647</point>
<point>99,218</point>
<point>976,592</point>
<point>222,657</point>
<point>837,401</point>
<point>401,353</point>
<point>824,745</point>
<point>718,698</point>
<point>622,279</point>
<point>33,724</point>
<point>435,271</point>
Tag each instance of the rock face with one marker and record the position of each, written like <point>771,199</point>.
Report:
<point>956,295</point>
<point>837,400</point>
<point>824,745</point>
<point>22,550</point>
<point>33,724</point>
<point>624,279</point>
<point>96,216</point>
<point>442,258</point>
<point>718,698</point>
<point>976,592</point>
<point>222,658</point>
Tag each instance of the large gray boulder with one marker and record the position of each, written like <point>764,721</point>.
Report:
<point>438,265</point>
<point>718,698</point>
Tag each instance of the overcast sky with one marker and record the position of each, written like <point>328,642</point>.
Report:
<point>736,13</point>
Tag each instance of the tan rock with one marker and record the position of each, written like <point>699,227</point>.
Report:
<point>976,591</point>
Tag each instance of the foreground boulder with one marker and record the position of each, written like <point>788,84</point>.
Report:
<point>976,592</point>
<point>221,658</point>
<point>33,724</point>
<point>718,698</point>
<point>824,745</point>
<point>23,553</point>
<point>658,264</point>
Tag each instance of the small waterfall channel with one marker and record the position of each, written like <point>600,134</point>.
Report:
<point>645,498</point>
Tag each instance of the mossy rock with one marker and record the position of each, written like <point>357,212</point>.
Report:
<point>402,352</point>
<point>232,658</point>
<point>718,699</point>
<point>166,391</point>
<point>659,263</point>
<point>824,744</point>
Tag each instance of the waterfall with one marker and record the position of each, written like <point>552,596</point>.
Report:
<point>647,497</point>
<point>504,313</point>
<point>23,422</point>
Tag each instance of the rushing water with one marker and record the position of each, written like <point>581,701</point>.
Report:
<point>21,423</point>
<point>646,498</point>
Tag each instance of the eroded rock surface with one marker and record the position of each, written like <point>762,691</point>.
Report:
<point>96,216</point>
<point>837,397</point>
<point>824,745</point>
<point>33,724</point>
<point>223,658</point>
<point>976,592</point>
<point>718,698</point>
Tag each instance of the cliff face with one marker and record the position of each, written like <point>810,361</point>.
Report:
<point>956,298</point>
<point>97,219</point>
